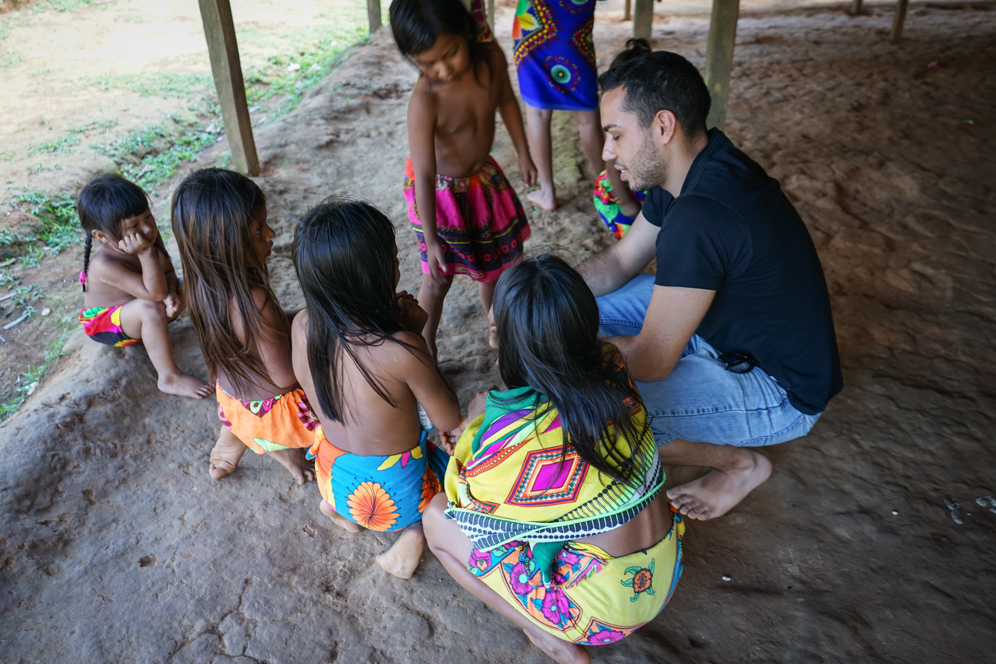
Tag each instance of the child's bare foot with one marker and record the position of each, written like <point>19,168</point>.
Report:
<point>296,462</point>
<point>403,556</point>
<point>543,198</point>
<point>183,385</point>
<point>719,491</point>
<point>338,519</point>
<point>226,454</point>
<point>558,650</point>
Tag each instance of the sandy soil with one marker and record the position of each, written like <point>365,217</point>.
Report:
<point>115,546</point>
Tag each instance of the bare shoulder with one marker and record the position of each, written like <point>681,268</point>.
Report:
<point>401,353</point>
<point>299,326</point>
<point>422,100</point>
<point>496,54</point>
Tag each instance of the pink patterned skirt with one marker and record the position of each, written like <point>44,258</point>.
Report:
<point>480,222</point>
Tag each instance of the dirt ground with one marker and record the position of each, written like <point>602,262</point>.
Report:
<point>872,542</point>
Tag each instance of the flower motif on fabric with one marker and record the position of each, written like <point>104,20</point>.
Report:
<point>556,607</point>
<point>430,487</point>
<point>372,507</point>
<point>603,636</point>
<point>519,576</point>
<point>224,420</point>
<point>564,74</point>
<point>479,561</point>
<point>642,581</point>
<point>405,458</point>
<point>307,416</point>
<point>576,6</point>
<point>261,407</point>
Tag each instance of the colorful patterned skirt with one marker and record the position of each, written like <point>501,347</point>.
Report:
<point>554,54</point>
<point>608,207</point>
<point>268,425</point>
<point>594,599</point>
<point>480,222</point>
<point>103,324</point>
<point>386,493</point>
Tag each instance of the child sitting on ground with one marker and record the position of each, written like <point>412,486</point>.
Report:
<point>617,206</point>
<point>219,220</point>
<point>363,365</point>
<point>129,285</point>
<point>466,215</point>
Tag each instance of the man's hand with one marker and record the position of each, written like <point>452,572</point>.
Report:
<point>134,243</point>
<point>436,258</point>
<point>413,317</point>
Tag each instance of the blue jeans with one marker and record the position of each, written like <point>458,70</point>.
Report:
<point>701,401</point>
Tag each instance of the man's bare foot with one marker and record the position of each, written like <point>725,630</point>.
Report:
<point>719,491</point>
<point>183,385</point>
<point>544,198</point>
<point>338,519</point>
<point>226,454</point>
<point>296,462</point>
<point>403,556</point>
<point>558,650</point>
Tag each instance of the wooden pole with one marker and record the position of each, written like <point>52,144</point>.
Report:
<point>719,57</point>
<point>219,30</point>
<point>491,15</point>
<point>643,19</point>
<point>897,22</point>
<point>855,7</point>
<point>373,14</point>
<point>628,11</point>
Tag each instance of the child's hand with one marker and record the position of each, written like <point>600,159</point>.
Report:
<point>436,259</point>
<point>527,169</point>
<point>134,243</point>
<point>448,439</point>
<point>478,405</point>
<point>174,305</point>
<point>413,317</point>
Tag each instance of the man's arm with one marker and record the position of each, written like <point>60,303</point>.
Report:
<point>672,318</point>
<point>609,270</point>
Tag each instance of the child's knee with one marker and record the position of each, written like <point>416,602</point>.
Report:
<point>153,311</point>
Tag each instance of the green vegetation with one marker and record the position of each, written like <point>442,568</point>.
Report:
<point>100,126</point>
<point>25,385</point>
<point>60,227</point>
<point>151,156</point>
<point>154,84</point>
<point>59,5</point>
<point>9,58</point>
<point>60,145</point>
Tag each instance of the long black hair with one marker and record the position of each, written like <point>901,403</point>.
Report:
<point>214,211</point>
<point>417,24</point>
<point>345,262</point>
<point>102,204</point>
<point>547,329</point>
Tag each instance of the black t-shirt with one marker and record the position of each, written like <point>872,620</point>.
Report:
<point>732,230</point>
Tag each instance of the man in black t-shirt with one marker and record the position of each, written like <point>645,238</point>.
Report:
<point>731,342</point>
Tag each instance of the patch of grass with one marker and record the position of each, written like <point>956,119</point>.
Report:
<point>61,145</point>
<point>60,6</point>
<point>9,237</point>
<point>151,156</point>
<point>158,84</point>
<point>8,155</point>
<point>290,76</point>
<point>39,168</point>
<point>25,386</point>
<point>9,58</point>
<point>8,280</point>
<point>31,257</point>
<point>99,126</point>
<point>60,225</point>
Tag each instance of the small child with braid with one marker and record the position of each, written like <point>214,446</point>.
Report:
<point>129,285</point>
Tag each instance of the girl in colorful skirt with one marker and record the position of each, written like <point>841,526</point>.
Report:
<point>617,206</point>
<point>466,215</point>
<point>554,513</point>
<point>360,357</point>
<point>129,284</point>
<point>219,221</point>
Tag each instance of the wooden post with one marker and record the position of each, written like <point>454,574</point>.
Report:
<point>719,57</point>
<point>491,15</point>
<point>643,19</point>
<point>855,7</point>
<point>628,11</point>
<point>373,14</point>
<point>219,30</point>
<point>897,22</point>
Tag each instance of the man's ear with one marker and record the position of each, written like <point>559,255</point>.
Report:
<point>665,126</point>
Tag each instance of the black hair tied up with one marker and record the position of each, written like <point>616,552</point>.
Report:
<point>102,204</point>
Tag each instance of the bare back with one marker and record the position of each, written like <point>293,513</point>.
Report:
<point>372,426</point>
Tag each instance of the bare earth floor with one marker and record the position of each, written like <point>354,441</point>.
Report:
<point>116,546</point>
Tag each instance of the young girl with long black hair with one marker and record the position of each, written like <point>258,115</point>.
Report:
<point>556,518</point>
<point>219,221</point>
<point>359,355</point>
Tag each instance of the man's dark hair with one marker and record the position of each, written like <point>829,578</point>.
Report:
<point>662,81</point>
